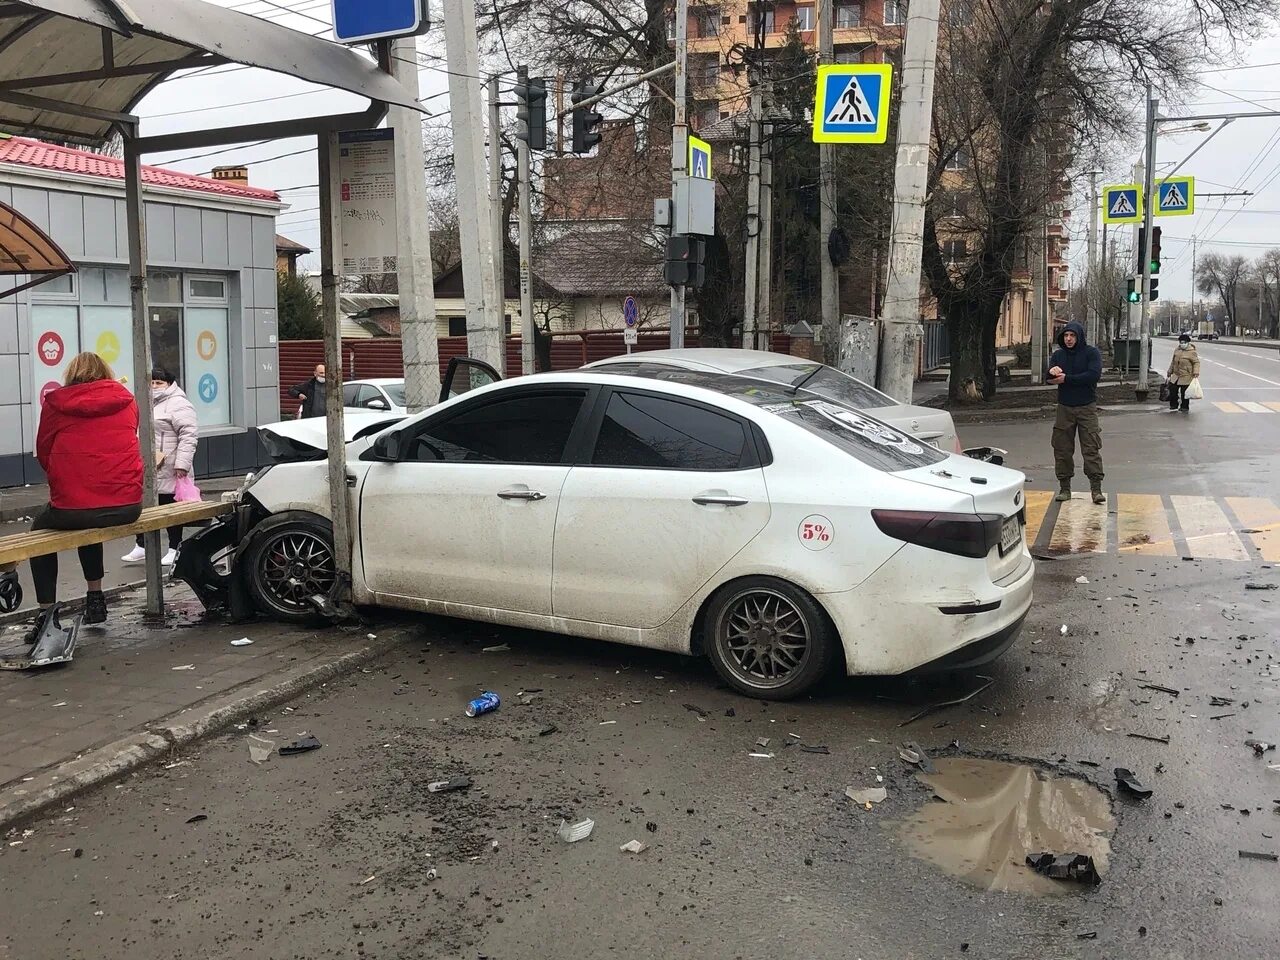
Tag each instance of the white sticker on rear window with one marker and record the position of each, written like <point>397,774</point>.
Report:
<point>865,427</point>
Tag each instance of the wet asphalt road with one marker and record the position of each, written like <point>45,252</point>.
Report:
<point>329,854</point>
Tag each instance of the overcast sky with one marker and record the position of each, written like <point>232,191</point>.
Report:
<point>1244,157</point>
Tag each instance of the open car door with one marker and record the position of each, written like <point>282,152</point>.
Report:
<point>464,375</point>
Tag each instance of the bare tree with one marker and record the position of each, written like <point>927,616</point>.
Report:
<point>1222,275</point>
<point>1267,270</point>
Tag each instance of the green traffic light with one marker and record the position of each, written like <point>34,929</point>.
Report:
<point>1135,296</point>
<point>1155,266</point>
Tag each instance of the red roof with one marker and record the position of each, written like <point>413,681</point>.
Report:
<point>47,156</point>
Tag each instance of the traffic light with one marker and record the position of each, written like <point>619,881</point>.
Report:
<point>1155,250</point>
<point>585,119</point>
<point>1155,264</point>
<point>686,261</point>
<point>1135,291</point>
<point>531,110</point>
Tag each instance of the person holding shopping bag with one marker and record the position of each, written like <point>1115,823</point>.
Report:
<point>1184,370</point>
<point>177,432</point>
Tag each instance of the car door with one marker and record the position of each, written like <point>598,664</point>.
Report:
<point>671,491</point>
<point>466,514</point>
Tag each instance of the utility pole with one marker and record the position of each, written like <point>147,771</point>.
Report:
<point>527,334</point>
<point>414,272</point>
<point>484,314</point>
<point>827,201</point>
<point>1133,310</point>
<point>1195,310</point>
<point>751,294</point>
<point>764,300</point>
<point>1091,272</point>
<point>1148,211</point>
<point>499,227</point>
<point>1039,353</point>
<point>902,300</point>
<point>679,152</point>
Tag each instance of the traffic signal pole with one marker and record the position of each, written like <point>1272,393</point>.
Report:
<point>680,153</point>
<point>1148,211</point>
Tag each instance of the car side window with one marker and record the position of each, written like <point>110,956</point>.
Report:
<point>527,428</point>
<point>350,391</point>
<point>368,393</point>
<point>642,430</point>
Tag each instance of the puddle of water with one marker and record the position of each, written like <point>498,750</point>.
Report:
<point>995,813</point>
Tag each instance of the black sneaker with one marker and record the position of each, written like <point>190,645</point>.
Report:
<point>95,607</point>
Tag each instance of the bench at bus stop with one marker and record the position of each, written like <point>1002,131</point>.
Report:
<point>18,547</point>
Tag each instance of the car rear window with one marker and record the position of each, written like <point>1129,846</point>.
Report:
<point>825,382</point>
<point>396,392</point>
<point>869,440</point>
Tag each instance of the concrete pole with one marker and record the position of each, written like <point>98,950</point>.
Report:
<point>902,299</point>
<point>764,300</point>
<point>1091,271</point>
<point>751,292</point>
<point>484,314</point>
<point>527,335</point>
<point>1133,311</point>
<point>680,152</point>
<point>495,200</point>
<point>1148,208</point>
<point>1195,310</point>
<point>1039,353</point>
<point>415,273</point>
<point>330,252</point>
<point>135,220</point>
<point>828,204</point>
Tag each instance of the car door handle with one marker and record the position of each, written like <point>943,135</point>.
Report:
<point>530,495</point>
<point>719,500</point>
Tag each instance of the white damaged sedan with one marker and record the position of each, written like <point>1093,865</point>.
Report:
<point>780,535</point>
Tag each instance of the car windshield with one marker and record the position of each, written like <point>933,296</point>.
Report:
<point>874,443</point>
<point>826,382</point>
<point>396,392</point>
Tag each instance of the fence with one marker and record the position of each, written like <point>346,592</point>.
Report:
<point>382,357</point>
<point>935,346</point>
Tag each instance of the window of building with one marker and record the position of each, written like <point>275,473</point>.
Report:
<point>656,432</point>
<point>848,55</point>
<point>709,23</point>
<point>955,251</point>
<point>895,12</point>
<point>848,15</point>
<point>955,203</point>
<point>804,18</point>
<point>457,326</point>
<point>762,19</point>
<point>531,427</point>
<point>959,160</point>
<point>207,288</point>
<point>707,115</point>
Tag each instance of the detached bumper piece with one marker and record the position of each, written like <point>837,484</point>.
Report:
<point>53,642</point>
<point>209,563</point>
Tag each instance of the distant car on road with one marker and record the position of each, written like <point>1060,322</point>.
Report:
<point>934,427</point>
<point>383,395</point>
<point>780,534</point>
<point>1207,336</point>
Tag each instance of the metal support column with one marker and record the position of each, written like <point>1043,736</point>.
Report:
<point>1148,208</point>
<point>1091,270</point>
<point>498,227</point>
<point>751,292</point>
<point>827,203</point>
<point>528,333</point>
<point>680,152</point>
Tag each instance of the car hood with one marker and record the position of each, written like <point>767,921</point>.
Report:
<point>309,440</point>
<point>995,490</point>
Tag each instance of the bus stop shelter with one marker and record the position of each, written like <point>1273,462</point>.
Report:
<point>75,70</point>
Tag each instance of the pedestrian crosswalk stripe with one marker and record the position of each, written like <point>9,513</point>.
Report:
<point>1081,527</point>
<point>1142,526</point>
<point>1207,530</point>
<point>1227,407</point>
<point>1037,505</point>
<point>1262,519</point>
<point>1271,405</point>
<point>1253,407</point>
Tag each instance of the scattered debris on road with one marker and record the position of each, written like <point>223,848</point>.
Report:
<point>260,748</point>
<point>1252,585</point>
<point>867,796</point>
<point>1259,746</point>
<point>1082,579</point>
<point>242,642</point>
<point>1163,689</point>
<point>448,786</point>
<point>1131,785</point>
<point>634,846</point>
<point>761,756</point>
<point>702,714</point>
<point>186,666</point>
<point>933,708</point>
<point>499,648</point>
<point>915,755</point>
<point>201,817</point>
<point>1065,866</point>
<point>548,730</point>
<point>487,702</point>
<point>806,748</point>
<point>1149,738</point>
<point>304,745</point>
<point>573,832</point>
<point>1256,855</point>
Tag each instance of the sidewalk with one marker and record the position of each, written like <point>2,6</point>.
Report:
<point>122,702</point>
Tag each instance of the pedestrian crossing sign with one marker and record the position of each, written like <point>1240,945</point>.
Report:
<point>853,103</point>
<point>699,159</point>
<point>1176,197</point>
<point>1122,203</point>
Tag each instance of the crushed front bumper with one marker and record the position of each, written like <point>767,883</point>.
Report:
<point>208,562</point>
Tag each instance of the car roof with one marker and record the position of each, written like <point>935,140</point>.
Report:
<point>723,359</point>
<point>377,381</point>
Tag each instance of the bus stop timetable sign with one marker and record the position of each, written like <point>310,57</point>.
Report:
<point>360,21</point>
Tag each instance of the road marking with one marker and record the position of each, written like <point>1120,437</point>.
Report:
<point>1227,407</point>
<point>1037,505</point>
<point>1262,516</point>
<point>1244,373</point>
<point>1272,405</point>
<point>1253,407</point>
<point>1081,527</point>
<point>1142,526</point>
<point>1208,532</point>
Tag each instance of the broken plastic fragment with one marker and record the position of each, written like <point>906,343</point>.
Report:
<point>1082,579</point>
<point>242,642</point>
<point>1063,630</point>
<point>573,832</point>
<point>448,786</point>
<point>260,748</point>
<point>303,745</point>
<point>867,796</point>
<point>1065,866</point>
<point>500,648</point>
<point>1130,784</point>
<point>634,846</point>
<point>186,666</point>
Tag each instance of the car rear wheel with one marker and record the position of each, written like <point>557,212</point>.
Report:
<point>769,639</point>
<point>289,561</point>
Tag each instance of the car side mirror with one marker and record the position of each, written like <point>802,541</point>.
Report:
<point>386,449</point>
<point>377,404</point>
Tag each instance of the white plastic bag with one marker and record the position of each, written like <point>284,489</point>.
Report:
<point>1194,392</point>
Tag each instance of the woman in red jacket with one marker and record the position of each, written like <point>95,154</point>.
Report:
<point>88,447</point>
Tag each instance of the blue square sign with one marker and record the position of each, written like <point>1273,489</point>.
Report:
<point>852,104</point>
<point>359,21</point>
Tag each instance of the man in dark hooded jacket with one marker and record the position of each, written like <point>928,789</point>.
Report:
<point>1076,368</point>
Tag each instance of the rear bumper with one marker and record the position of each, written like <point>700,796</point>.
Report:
<point>978,653</point>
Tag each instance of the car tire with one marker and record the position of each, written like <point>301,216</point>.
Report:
<point>757,615</point>
<point>289,560</point>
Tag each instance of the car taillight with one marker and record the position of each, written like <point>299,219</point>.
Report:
<point>963,534</point>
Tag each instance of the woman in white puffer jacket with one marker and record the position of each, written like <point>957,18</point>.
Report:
<point>177,433</point>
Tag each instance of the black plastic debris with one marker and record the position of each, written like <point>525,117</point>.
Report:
<point>1259,746</point>
<point>1148,738</point>
<point>1131,785</point>
<point>651,827</point>
<point>730,712</point>
<point>1091,935</point>
<point>1262,586</point>
<point>548,730</point>
<point>692,708</point>
<point>79,853</point>
<point>1161,688</point>
<point>1257,855</point>
<point>199,817</point>
<point>448,786</point>
<point>806,748</point>
<point>1078,867</point>
<point>305,745</point>
<point>915,755</point>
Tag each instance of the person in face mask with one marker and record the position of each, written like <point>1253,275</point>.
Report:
<point>1183,368</point>
<point>177,433</point>
<point>312,394</point>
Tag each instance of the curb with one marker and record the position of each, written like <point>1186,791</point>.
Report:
<point>135,750</point>
<point>18,616</point>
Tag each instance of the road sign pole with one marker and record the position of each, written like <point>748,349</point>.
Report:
<point>1148,210</point>
<point>902,296</point>
<point>528,332</point>
<point>680,153</point>
<point>1091,270</point>
<point>827,201</point>
<point>752,292</point>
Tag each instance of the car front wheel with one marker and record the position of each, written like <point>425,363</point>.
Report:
<point>289,561</point>
<point>769,639</point>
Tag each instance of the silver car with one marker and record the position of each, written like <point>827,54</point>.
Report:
<point>925,423</point>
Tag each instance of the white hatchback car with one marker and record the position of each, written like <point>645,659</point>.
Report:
<point>783,537</point>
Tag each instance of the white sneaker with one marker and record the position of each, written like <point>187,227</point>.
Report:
<point>170,558</point>
<point>136,555</point>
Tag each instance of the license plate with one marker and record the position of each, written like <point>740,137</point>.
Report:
<point>1010,535</point>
